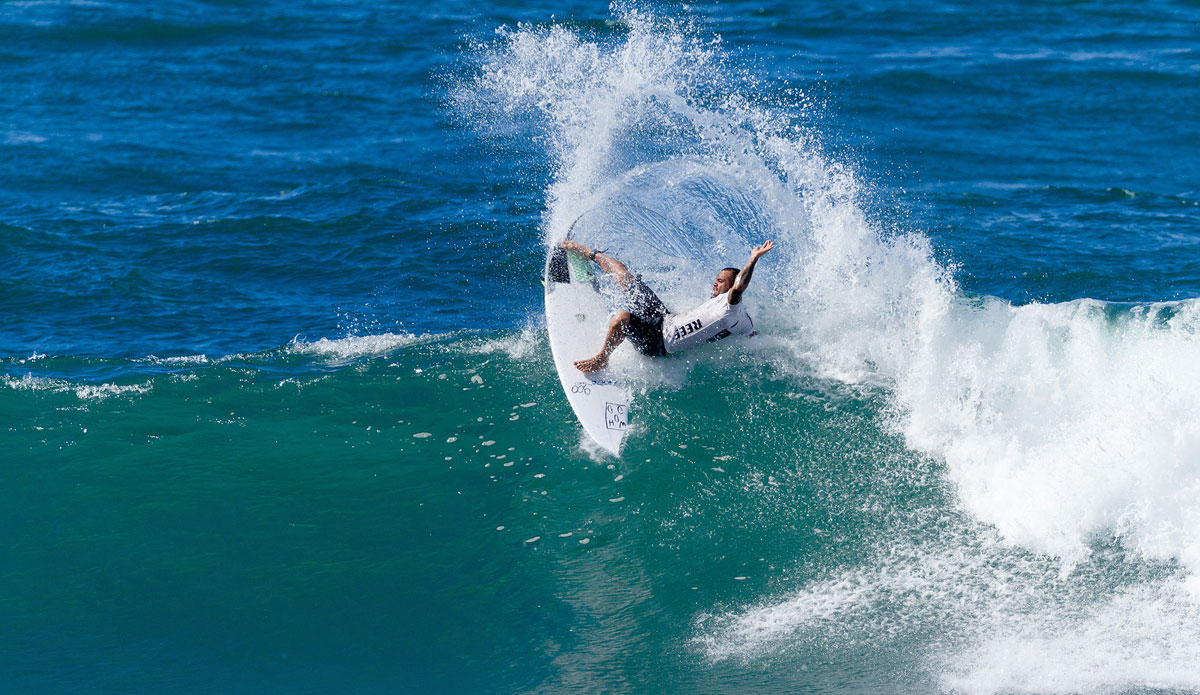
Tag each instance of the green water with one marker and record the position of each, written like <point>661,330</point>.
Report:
<point>276,515</point>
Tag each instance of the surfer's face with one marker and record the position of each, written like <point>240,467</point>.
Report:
<point>723,282</point>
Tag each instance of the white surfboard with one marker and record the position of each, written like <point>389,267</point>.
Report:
<point>577,320</point>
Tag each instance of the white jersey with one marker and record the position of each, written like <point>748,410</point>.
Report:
<point>709,322</point>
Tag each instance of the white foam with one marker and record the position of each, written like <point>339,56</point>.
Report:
<point>95,392</point>
<point>181,359</point>
<point>1118,645</point>
<point>1006,622</point>
<point>355,346</point>
<point>102,391</point>
<point>529,342</point>
<point>1058,423</point>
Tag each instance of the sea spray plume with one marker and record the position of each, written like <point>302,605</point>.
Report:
<point>591,99</point>
<point>575,90</point>
<point>1058,423</point>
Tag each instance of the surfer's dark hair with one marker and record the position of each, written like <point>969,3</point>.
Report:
<point>735,270</point>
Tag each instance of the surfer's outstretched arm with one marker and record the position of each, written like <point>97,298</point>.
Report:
<point>607,263</point>
<point>743,278</point>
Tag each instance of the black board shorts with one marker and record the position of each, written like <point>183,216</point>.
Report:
<point>645,325</point>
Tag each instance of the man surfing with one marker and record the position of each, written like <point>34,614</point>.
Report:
<point>654,330</point>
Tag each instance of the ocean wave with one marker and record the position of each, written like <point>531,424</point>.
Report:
<point>1070,403</point>
<point>1056,423</point>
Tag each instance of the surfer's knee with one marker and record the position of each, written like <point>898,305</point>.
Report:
<point>620,318</point>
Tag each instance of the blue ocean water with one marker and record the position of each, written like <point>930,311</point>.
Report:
<point>280,414</point>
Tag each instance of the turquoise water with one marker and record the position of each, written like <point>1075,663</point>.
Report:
<point>280,414</point>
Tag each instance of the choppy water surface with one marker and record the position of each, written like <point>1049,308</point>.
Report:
<point>281,414</point>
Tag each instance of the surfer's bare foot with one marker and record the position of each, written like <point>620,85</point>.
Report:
<point>576,247</point>
<point>592,365</point>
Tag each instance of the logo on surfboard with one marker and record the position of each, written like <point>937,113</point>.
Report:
<point>616,416</point>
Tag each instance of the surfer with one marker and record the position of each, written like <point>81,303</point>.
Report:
<point>654,330</point>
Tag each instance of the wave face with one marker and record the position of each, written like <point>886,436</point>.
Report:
<point>1061,428</point>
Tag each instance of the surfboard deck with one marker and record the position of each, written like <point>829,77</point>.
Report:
<point>577,320</point>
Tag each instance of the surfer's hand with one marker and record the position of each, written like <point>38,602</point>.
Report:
<point>760,250</point>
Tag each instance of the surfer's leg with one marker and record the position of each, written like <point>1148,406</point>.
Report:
<point>646,334</point>
<point>616,334</point>
<point>643,303</point>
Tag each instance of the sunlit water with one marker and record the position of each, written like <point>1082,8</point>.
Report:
<point>281,414</point>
